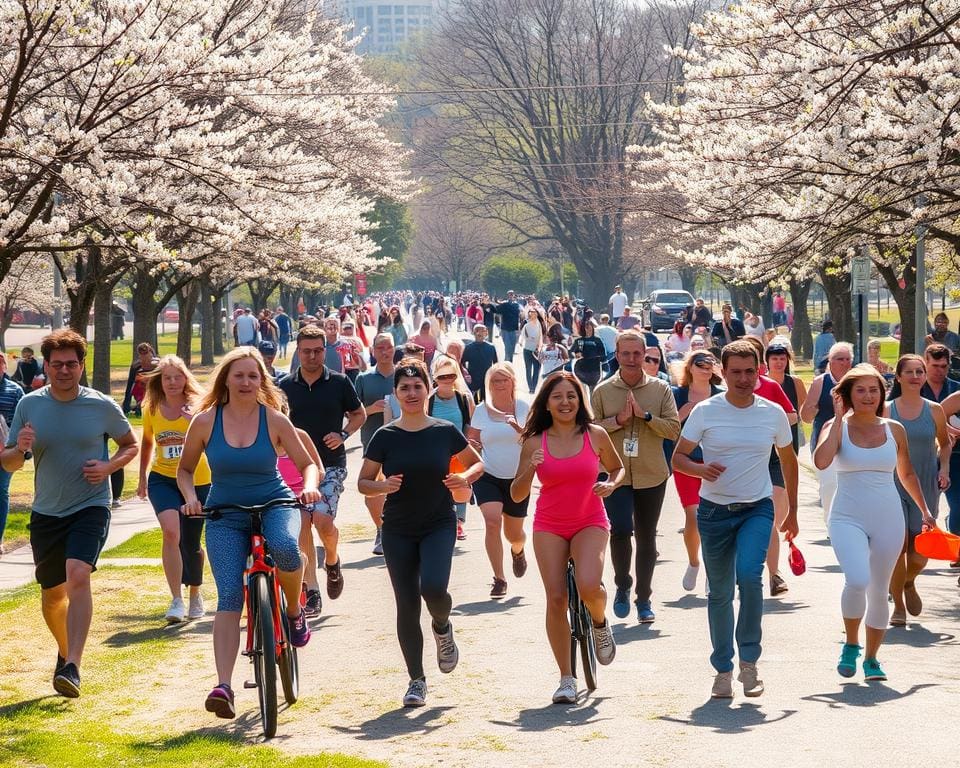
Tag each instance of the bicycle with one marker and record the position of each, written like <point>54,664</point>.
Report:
<point>581,631</point>
<point>268,643</point>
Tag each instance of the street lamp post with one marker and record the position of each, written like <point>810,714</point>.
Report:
<point>920,303</point>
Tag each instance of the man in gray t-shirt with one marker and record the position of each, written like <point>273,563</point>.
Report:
<point>64,428</point>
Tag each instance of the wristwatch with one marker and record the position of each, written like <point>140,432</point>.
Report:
<point>27,455</point>
<point>344,435</point>
<point>647,416</point>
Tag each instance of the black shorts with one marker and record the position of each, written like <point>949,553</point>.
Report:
<point>776,472</point>
<point>55,540</point>
<point>496,489</point>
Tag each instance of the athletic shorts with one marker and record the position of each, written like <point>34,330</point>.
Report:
<point>55,540</point>
<point>688,489</point>
<point>776,472</point>
<point>164,493</point>
<point>497,489</point>
<point>331,486</point>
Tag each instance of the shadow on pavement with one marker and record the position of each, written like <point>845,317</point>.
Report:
<point>864,695</point>
<point>487,606</point>
<point>773,605</point>
<point>365,563</point>
<point>723,716</point>
<point>551,716</point>
<point>687,601</point>
<point>917,636</point>
<point>821,542</point>
<point>398,722</point>
<point>826,568</point>
<point>625,634</point>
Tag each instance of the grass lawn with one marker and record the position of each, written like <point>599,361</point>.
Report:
<point>143,544</point>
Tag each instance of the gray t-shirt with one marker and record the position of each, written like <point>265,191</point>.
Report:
<point>68,434</point>
<point>372,386</point>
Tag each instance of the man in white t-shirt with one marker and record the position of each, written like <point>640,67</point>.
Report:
<point>735,517</point>
<point>618,301</point>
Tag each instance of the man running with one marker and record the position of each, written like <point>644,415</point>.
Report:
<point>617,302</point>
<point>736,430</point>
<point>320,399</point>
<point>64,428</point>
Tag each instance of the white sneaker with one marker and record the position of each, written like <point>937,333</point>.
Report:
<point>567,692</point>
<point>177,612</point>
<point>447,652</point>
<point>416,695</point>
<point>197,610</point>
<point>722,686</point>
<point>605,645</point>
<point>690,577</point>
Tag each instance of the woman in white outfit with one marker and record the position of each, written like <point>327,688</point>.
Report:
<point>866,517</point>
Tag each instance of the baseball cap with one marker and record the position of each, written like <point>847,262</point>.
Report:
<point>267,348</point>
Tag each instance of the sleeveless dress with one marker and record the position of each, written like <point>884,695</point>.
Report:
<point>921,438</point>
<point>566,504</point>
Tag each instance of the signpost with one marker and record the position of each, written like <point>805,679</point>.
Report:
<point>361,281</point>
<point>860,269</point>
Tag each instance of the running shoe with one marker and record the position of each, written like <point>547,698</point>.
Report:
<point>314,603</point>
<point>604,642</point>
<point>334,580</point>
<point>60,662</point>
<point>778,586</point>
<point>911,599</point>
<point>197,609</point>
<point>461,534</point>
<point>690,577</point>
<point>722,685</point>
<point>416,695</point>
<point>67,681</point>
<point>519,563</point>
<point>645,614</point>
<point>499,588</point>
<point>378,543</point>
<point>872,670</point>
<point>752,684</point>
<point>847,666</point>
<point>177,611</point>
<point>299,630</point>
<point>447,652</point>
<point>567,692</point>
<point>220,702</point>
<point>955,564</point>
<point>621,603</point>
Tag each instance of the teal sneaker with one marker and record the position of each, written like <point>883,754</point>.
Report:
<point>872,670</point>
<point>847,666</point>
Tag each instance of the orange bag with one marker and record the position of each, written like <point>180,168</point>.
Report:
<point>937,544</point>
<point>462,495</point>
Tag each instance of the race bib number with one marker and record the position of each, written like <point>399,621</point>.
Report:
<point>171,451</point>
<point>630,447</point>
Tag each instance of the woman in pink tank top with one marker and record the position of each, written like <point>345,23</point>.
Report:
<point>567,453</point>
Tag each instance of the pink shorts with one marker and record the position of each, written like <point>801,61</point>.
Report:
<point>567,528</point>
<point>688,488</point>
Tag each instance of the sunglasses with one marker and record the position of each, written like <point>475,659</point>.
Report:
<point>446,377</point>
<point>651,360</point>
<point>704,362</point>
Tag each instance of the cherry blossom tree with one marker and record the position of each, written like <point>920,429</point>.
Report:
<point>28,285</point>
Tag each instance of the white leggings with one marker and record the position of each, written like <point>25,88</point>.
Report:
<point>828,490</point>
<point>867,544</point>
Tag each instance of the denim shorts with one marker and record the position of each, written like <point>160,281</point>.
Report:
<point>164,493</point>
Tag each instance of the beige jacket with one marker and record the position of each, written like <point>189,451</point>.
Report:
<point>649,467</point>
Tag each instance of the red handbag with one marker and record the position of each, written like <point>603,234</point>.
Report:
<point>797,563</point>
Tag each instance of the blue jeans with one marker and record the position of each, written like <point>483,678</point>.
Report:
<point>509,343</point>
<point>734,544</point>
<point>952,493</point>
<point>532,363</point>
<point>4,498</point>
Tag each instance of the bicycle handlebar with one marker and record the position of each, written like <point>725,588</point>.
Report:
<point>213,510</point>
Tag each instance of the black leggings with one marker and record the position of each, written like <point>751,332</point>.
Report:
<point>634,512</point>
<point>419,566</point>
<point>191,551</point>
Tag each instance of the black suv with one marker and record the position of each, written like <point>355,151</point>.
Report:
<point>661,309</point>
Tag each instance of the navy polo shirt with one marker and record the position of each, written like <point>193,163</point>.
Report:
<point>320,408</point>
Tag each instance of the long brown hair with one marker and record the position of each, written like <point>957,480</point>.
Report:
<point>539,420</point>
<point>861,371</point>
<point>218,394</point>
<point>154,395</point>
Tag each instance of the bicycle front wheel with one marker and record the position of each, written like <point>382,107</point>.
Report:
<point>573,601</point>
<point>287,659</point>
<point>588,649</point>
<point>264,656</point>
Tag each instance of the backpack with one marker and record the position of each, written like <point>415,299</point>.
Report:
<point>461,403</point>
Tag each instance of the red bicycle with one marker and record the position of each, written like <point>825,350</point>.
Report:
<point>268,643</point>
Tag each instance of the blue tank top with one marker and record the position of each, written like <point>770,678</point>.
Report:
<point>824,409</point>
<point>244,475</point>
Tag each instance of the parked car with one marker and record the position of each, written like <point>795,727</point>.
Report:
<point>171,315</point>
<point>662,308</point>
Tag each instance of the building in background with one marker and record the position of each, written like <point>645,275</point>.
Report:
<point>387,27</point>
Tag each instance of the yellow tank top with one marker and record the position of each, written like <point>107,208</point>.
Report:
<point>168,437</point>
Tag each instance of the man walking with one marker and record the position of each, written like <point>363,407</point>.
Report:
<point>320,399</point>
<point>477,358</point>
<point>509,312</point>
<point>246,329</point>
<point>617,302</point>
<point>728,328</point>
<point>639,412</point>
<point>736,430</point>
<point>64,428</point>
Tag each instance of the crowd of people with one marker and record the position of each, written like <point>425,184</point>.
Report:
<point>601,416</point>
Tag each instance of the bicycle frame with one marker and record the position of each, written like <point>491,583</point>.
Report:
<point>258,561</point>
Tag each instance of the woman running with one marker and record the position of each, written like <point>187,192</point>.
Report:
<point>590,355</point>
<point>495,431</point>
<point>419,526</point>
<point>242,431</point>
<point>926,429</point>
<point>866,520</point>
<point>554,354</point>
<point>397,329</point>
<point>699,381</point>
<point>169,399</point>
<point>566,451</point>
<point>533,334</point>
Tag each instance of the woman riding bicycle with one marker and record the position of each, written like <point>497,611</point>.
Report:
<point>566,451</point>
<point>241,430</point>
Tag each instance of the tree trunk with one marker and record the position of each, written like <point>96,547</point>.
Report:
<point>260,291</point>
<point>905,297</point>
<point>688,279</point>
<point>101,336</point>
<point>836,285</point>
<point>801,337</point>
<point>208,324</point>
<point>187,298</point>
<point>144,303</point>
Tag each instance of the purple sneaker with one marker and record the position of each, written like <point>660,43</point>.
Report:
<point>299,630</point>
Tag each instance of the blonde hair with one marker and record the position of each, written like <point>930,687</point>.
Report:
<point>154,396</point>
<point>505,368</point>
<point>218,394</point>
<point>442,359</point>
